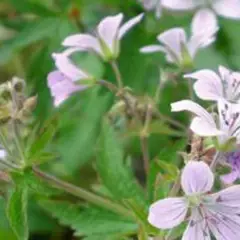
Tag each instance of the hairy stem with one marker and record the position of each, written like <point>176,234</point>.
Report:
<point>117,74</point>
<point>82,193</point>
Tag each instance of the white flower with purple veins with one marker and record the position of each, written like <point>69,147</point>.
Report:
<point>153,5</point>
<point>210,214</point>
<point>174,41</point>
<point>225,8</point>
<point>212,86</point>
<point>66,80</point>
<point>106,43</point>
<point>226,127</point>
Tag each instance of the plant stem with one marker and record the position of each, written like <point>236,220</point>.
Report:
<point>144,139</point>
<point>159,88</point>
<point>108,85</point>
<point>171,121</point>
<point>117,73</point>
<point>9,164</point>
<point>190,89</point>
<point>145,152</point>
<point>82,193</point>
<point>176,187</point>
<point>215,160</point>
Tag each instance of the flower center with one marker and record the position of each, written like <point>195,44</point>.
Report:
<point>194,200</point>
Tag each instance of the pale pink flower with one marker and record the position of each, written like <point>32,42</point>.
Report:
<point>226,127</point>
<point>108,35</point>
<point>67,78</point>
<point>174,41</point>
<point>210,214</point>
<point>153,5</point>
<point>212,86</point>
<point>225,8</point>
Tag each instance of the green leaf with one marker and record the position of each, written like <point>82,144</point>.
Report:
<point>27,6</point>
<point>40,143</point>
<point>34,184</point>
<point>79,135</point>
<point>33,32</point>
<point>115,175</point>
<point>89,221</point>
<point>17,212</point>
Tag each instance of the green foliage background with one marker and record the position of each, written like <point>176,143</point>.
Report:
<point>30,31</point>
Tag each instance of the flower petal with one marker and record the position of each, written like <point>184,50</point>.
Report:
<point>224,226</point>
<point>197,177</point>
<point>202,128</point>
<point>149,4</point>
<point>83,41</point>
<point>229,115</point>
<point>230,177</point>
<point>196,228</point>
<point>65,66</point>
<point>168,213</point>
<point>227,8</point>
<point>180,4</point>
<point>208,86</point>
<point>203,118</point>
<point>152,49</point>
<point>3,153</point>
<point>61,87</point>
<point>204,20</point>
<point>229,196</point>
<point>129,24</point>
<point>231,82</point>
<point>173,40</point>
<point>108,30</point>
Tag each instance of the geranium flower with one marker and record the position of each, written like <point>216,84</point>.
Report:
<point>225,8</point>
<point>67,78</point>
<point>210,214</point>
<point>108,35</point>
<point>211,86</point>
<point>227,126</point>
<point>174,41</point>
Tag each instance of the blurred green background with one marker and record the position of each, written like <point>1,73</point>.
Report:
<point>31,30</point>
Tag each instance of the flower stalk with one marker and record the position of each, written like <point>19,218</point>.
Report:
<point>81,193</point>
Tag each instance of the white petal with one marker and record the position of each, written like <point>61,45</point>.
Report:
<point>3,153</point>
<point>152,49</point>
<point>180,4</point>
<point>209,85</point>
<point>224,226</point>
<point>196,229</point>
<point>202,128</point>
<point>227,8</point>
<point>84,41</point>
<point>129,24</point>
<point>168,213</point>
<point>229,115</point>
<point>149,4</point>
<point>229,196</point>
<point>173,39</point>
<point>108,30</point>
<point>64,65</point>
<point>187,105</point>
<point>204,20</point>
<point>204,29</point>
<point>197,177</point>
